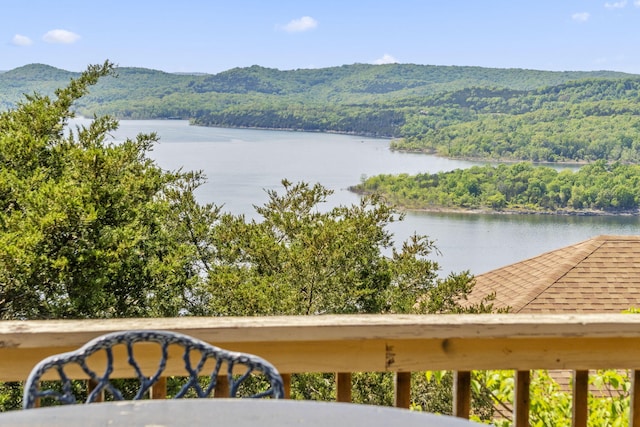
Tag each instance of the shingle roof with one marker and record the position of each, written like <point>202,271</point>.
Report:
<point>598,275</point>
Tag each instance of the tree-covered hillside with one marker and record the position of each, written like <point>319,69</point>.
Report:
<point>576,121</point>
<point>455,111</point>
<point>597,188</point>
<point>347,83</point>
<point>29,79</point>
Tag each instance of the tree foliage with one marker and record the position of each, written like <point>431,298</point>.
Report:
<point>298,259</point>
<point>551,403</point>
<point>575,121</point>
<point>86,225</point>
<point>455,111</point>
<point>347,84</point>
<point>91,228</point>
<point>521,187</point>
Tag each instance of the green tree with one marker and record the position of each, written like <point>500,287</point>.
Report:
<point>87,228</point>
<point>518,187</point>
<point>300,259</point>
<point>550,403</point>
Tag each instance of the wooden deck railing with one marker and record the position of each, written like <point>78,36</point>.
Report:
<point>376,343</point>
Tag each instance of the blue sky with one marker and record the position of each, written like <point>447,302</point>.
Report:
<point>211,36</point>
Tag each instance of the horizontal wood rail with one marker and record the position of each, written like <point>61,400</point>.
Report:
<point>377,343</point>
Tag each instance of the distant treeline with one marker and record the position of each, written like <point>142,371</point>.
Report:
<point>467,112</point>
<point>578,121</point>
<point>521,187</point>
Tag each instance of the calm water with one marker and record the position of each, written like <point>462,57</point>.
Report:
<point>240,164</point>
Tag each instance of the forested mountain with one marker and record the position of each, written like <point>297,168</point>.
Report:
<point>576,121</point>
<point>471,112</point>
<point>347,83</point>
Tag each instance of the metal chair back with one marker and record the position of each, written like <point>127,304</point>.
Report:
<point>195,355</point>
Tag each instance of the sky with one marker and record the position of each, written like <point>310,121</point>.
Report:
<point>211,36</point>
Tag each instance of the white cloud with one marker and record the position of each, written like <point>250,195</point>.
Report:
<point>386,59</point>
<point>60,36</point>
<point>616,4</point>
<point>305,23</point>
<point>581,16</point>
<point>20,40</point>
<point>636,3</point>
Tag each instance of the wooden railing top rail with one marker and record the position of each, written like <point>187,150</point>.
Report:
<point>398,343</point>
<point>36,333</point>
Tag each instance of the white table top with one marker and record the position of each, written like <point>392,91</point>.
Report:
<point>225,412</point>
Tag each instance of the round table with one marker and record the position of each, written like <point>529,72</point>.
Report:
<point>225,412</point>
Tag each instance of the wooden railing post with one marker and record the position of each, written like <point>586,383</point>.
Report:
<point>402,389</point>
<point>37,402</point>
<point>462,394</point>
<point>286,380</point>
<point>91,385</point>
<point>222,387</point>
<point>634,409</point>
<point>521,399</point>
<point>343,387</point>
<point>159,389</point>
<point>580,398</point>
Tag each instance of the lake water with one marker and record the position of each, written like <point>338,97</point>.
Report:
<point>241,164</point>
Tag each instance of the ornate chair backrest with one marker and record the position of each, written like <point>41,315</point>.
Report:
<point>196,354</point>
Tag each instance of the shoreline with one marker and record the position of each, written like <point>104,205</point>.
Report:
<point>428,152</point>
<point>501,160</point>
<point>487,211</point>
<point>334,132</point>
<point>512,211</point>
